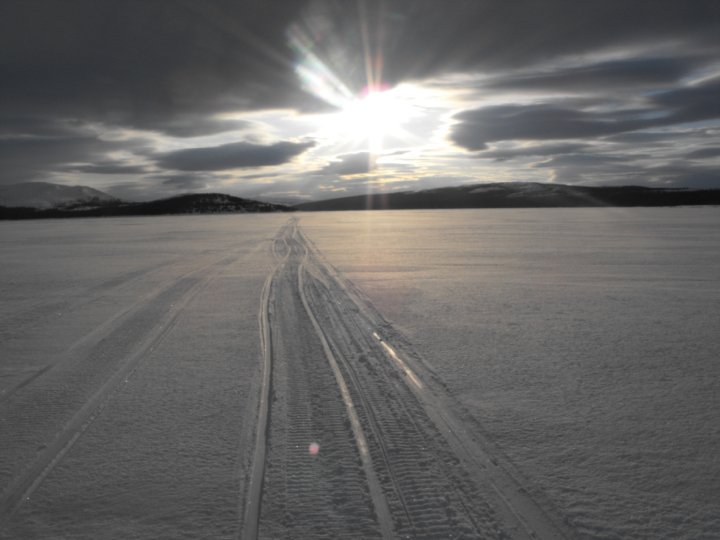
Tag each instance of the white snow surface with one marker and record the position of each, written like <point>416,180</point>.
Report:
<point>165,455</point>
<point>46,195</point>
<point>584,342</point>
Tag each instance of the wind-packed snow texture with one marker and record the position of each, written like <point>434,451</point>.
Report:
<point>585,343</point>
<point>168,304</point>
<point>484,373</point>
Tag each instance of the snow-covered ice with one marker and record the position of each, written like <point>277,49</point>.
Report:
<point>578,346</point>
<point>585,343</point>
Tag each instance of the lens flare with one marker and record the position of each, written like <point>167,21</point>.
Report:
<point>375,114</point>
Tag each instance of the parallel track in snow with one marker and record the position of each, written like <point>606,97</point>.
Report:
<point>253,495</point>
<point>389,437</point>
<point>41,424</point>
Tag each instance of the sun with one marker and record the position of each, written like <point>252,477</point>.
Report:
<point>369,118</point>
<point>373,117</point>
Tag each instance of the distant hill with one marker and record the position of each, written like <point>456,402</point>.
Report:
<point>519,195</point>
<point>46,195</point>
<point>199,203</point>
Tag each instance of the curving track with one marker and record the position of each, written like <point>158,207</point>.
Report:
<point>394,458</point>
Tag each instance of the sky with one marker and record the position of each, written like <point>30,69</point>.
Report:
<point>297,100</point>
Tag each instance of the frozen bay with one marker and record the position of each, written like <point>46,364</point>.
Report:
<point>584,342</point>
<point>580,344</point>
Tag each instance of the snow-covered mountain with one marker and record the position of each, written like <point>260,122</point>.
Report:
<point>46,195</point>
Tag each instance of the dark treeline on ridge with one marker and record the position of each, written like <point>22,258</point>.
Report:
<point>202,203</point>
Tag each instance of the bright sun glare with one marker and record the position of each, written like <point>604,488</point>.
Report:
<point>373,117</point>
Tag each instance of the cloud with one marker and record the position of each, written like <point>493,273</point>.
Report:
<point>185,182</point>
<point>107,167</point>
<point>704,153</point>
<point>33,158</point>
<point>690,103</point>
<point>682,175</point>
<point>191,125</point>
<point>349,164</point>
<point>136,63</point>
<point>543,121</point>
<point>236,155</point>
<point>133,63</point>
<point>425,38</point>
<point>77,74</point>
<point>599,77</point>
<point>536,122</point>
<point>505,154</point>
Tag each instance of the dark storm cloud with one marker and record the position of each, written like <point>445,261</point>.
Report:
<point>349,164</point>
<point>232,156</point>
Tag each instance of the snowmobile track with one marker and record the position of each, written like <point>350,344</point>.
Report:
<point>355,437</point>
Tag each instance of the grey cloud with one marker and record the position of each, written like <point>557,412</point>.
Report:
<point>232,156</point>
<point>140,63</point>
<point>599,77</point>
<point>537,121</point>
<point>644,137</point>
<point>662,138</point>
<point>16,125</point>
<point>134,61</point>
<point>505,154</point>
<point>32,158</point>
<point>107,167</point>
<point>620,169</point>
<point>691,103</point>
<point>584,160</point>
<point>545,121</point>
<point>184,181</point>
<point>682,175</point>
<point>171,67</point>
<point>704,153</point>
<point>422,38</point>
<point>191,125</point>
<point>349,164</point>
